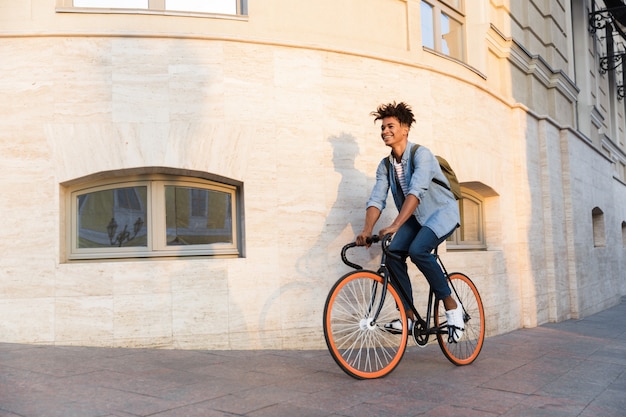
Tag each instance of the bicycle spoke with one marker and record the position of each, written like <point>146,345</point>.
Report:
<point>466,350</point>
<point>362,348</point>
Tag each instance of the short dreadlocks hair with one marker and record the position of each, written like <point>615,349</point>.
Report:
<point>400,111</point>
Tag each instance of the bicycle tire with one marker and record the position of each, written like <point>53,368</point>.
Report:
<point>362,349</point>
<point>467,349</point>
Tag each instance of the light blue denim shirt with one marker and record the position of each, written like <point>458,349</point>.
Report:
<point>438,209</point>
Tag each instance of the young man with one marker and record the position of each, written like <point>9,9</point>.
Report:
<point>428,212</point>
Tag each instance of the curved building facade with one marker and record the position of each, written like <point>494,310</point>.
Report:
<point>184,176</point>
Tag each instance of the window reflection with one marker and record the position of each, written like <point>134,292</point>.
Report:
<point>428,31</point>
<point>471,234</point>
<point>113,217</point>
<point>470,218</point>
<point>113,4</point>
<point>442,27</point>
<point>452,37</point>
<point>203,6</point>
<point>195,216</point>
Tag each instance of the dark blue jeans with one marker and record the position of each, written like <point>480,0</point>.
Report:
<point>417,242</point>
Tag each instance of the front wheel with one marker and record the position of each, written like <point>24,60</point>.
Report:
<point>361,346</point>
<point>466,350</point>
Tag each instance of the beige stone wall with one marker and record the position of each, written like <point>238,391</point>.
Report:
<point>282,105</point>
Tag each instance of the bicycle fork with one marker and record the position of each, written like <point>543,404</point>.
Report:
<point>373,318</point>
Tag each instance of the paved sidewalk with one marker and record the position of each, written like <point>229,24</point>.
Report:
<point>573,368</point>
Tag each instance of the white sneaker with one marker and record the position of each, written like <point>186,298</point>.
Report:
<point>395,326</point>
<point>456,325</point>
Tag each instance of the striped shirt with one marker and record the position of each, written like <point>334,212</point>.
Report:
<point>437,209</point>
<point>401,177</point>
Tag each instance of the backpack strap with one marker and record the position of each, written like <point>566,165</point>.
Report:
<point>413,150</point>
<point>441,183</point>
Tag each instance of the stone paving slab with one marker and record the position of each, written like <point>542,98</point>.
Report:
<point>573,368</point>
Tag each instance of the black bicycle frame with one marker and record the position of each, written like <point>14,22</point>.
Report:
<point>386,273</point>
<point>390,279</point>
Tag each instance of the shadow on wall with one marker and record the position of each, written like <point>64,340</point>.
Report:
<point>321,265</point>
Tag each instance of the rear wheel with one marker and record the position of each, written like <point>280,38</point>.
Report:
<point>361,347</point>
<point>466,350</point>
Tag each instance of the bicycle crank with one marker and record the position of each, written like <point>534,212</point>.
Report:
<point>420,334</point>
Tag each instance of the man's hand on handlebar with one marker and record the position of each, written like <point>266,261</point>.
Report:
<point>364,239</point>
<point>390,230</point>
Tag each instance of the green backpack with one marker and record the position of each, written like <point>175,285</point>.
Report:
<point>447,170</point>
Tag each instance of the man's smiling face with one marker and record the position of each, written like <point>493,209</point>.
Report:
<point>392,131</point>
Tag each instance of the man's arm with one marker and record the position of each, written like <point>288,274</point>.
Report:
<point>372,214</point>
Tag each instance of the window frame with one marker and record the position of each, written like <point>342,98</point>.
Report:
<point>598,228</point>
<point>454,242</point>
<point>454,12</point>
<point>155,222</point>
<point>154,7</point>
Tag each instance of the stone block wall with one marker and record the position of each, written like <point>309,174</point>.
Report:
<point>290,121</point>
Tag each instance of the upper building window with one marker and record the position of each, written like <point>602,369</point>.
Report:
<point>227,7</point>
<point>112,4</point>
<point>442,25</point>
<point>154,216</point>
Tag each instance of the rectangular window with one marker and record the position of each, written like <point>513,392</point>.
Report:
<point>222,7</point>
<point>452,37</point>
<point>471,233</point>
<point>113,4</point>
<point>154,217</point>
<point>197,217</point>
<point>428,27</point>
<point>112,218</point>
<point>203,6</point>
<point>443,27</point>
<point>471,219</point>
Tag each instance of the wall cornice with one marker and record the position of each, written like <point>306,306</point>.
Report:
<point>533,65</point>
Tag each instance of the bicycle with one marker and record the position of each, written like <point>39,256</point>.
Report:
<point>362,299</point>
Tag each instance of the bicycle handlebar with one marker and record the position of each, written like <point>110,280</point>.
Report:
<point>345,259</point>
<point>386,240</point>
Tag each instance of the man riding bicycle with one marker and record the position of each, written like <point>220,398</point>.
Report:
<point>428,212</point>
